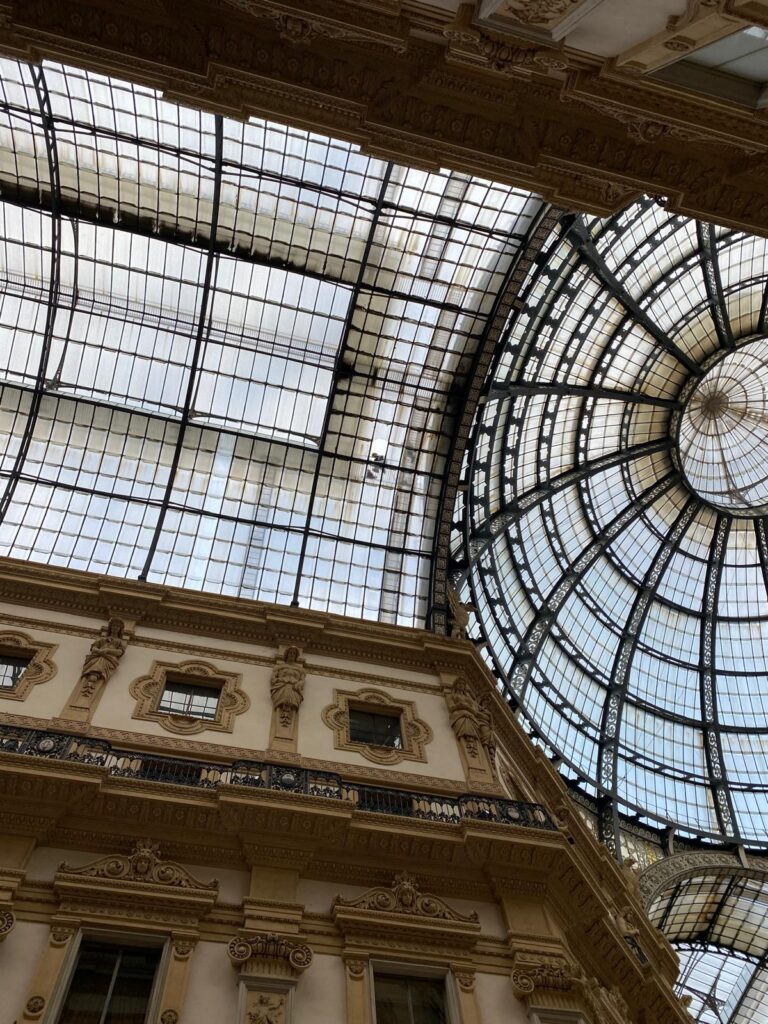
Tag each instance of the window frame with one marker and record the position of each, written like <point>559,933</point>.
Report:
<point>214,685</point>
<point>376,711</point>
<point>148,693</point>
<point>108,936</point>
<point>415,970</point>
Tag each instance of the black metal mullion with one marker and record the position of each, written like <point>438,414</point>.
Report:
<point>580,239</point>
<point>479,540</point>
<point>724,811</point>
<point>710,269</point>
<point>200,337</point>
<point>615,699</point>
<point>338,374</point>
<point>581,391</point>
<point>54,285</point>
<point>546,616</point>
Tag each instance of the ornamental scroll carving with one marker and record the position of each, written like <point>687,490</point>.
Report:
<point>404,897</point>
<point>534,969</point>
<point>286,689</point>
<point>99,665</point>
<point>142,865</point>
<point>7,921</point>
<point>271,951</point>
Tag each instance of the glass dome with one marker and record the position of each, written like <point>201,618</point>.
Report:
<point>613,538</point>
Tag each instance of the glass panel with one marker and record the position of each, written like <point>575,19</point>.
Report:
<point>110,985</point>
<point>409,1000</point>
<point>198,701</point>
<point>380,730</point>
<point>11,670</point>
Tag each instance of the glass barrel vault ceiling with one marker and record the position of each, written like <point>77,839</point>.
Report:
<point>231,354</point>
<point>625,611</point>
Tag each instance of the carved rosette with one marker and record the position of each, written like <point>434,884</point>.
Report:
<point>7,921</point>
<point>269,954</point>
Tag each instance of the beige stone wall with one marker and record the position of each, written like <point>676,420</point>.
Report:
<point>19,955</point>
<point>212,987</point>
<point>495,1001</point>
<point>320,996</point>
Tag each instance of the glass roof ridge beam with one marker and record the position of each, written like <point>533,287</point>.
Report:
<point>579,237</point>
<point>580,390</point>
<point>197,351</point>
<point>713,747</point>
<point>47,121</point>
<point>546,615</point>
<point>338,373</point>
<point>710,269</point>
<point>613,707</point>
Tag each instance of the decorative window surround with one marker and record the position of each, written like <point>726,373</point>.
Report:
<point>414,731</point>
<point>148,693</point>
<point>39,670</point>
<point>137,893</point>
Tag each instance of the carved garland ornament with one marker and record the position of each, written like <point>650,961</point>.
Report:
<point>414,731</point>
<point>148,692</point>
<point>40,667</point>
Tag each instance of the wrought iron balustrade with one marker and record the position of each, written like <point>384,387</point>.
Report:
<point>178,771</point>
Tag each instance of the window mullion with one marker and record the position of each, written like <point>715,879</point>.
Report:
<point>112,983</point>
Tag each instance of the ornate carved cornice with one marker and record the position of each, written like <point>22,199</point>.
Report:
<point>142,865</point>
<point>402,82</point>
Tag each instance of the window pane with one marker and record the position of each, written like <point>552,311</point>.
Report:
<point>10,671</point>
<point>189,699</point>
<point>111,985</point>
<point>380,730</point>
<point>409,1000</point>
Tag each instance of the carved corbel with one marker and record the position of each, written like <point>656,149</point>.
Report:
<point>100,664</point>
<point>7,921</point>
<point>287,691</point>
<point>270,966</point>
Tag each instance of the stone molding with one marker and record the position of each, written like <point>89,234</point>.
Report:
<point>39,670</point>
<point>414,731</point>
<point>537,969</point>
<point>143,864</point>
<point>147,691</point>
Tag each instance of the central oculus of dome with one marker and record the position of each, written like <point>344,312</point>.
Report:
<point>723,431</point>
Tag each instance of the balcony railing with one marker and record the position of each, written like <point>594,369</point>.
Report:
<point>263,775</point>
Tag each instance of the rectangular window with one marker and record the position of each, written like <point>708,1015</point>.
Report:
<point>11,670</point>
<point>374,728</point>
<point>194,699</point>
<point>111,984</point>
<point>404,1000</point>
